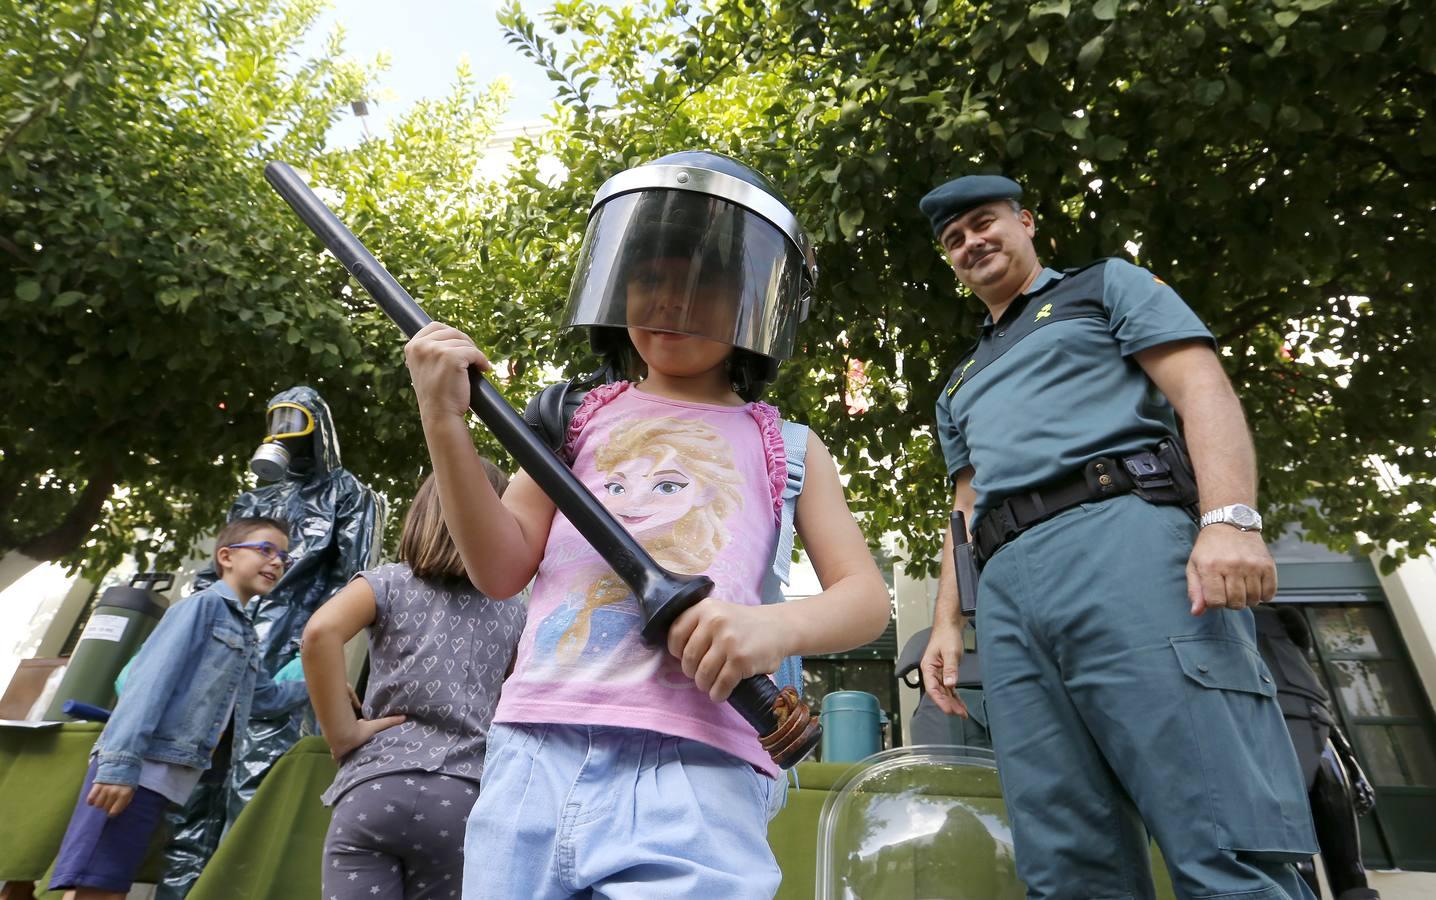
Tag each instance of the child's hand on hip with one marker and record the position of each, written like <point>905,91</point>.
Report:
<point>722,643</point>
<point>342,745</point>
<point>112,798</point>
<point>439,358</point>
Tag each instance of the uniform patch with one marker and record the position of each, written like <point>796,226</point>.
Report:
<point>1043,313</point>
<point>960,376</point>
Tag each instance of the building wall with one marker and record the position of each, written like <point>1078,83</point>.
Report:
<point>1411,593</point>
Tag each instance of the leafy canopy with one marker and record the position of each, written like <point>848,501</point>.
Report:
<point>156,292</point>
<point>1271,159</point>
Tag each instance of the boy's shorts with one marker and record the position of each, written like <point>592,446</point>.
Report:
<point>103,852</point>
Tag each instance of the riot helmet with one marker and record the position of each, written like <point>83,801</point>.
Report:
<point>694,243</point>
<point>288,444</point>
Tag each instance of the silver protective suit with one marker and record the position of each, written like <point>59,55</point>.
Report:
<point>335,528</point>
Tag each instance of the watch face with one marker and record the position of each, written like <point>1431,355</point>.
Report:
<point>1244,516</point>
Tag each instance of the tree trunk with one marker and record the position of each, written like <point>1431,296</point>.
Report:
<point>70,533</point>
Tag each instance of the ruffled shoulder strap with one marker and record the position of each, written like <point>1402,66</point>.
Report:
<point>592,402</point>
<point>771,428</point>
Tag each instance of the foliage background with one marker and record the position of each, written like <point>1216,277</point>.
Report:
<point>1272,159</point>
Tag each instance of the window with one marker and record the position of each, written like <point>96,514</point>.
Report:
<point>1382,707</point>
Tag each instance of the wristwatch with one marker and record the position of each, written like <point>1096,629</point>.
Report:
<point>1238,515</point>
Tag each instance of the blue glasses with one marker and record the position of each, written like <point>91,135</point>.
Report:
<point>268,551</point>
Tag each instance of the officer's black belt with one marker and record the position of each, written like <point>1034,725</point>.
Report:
<point>1161,476</point>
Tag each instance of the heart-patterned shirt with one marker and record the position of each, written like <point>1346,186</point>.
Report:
<point>438,654</point>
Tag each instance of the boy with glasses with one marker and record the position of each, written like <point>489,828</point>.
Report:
<point>197,670</point>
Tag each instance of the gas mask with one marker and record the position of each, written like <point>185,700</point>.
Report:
<point>288,445</point>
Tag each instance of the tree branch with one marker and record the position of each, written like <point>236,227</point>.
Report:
<point>38,110</point>
<point>15,250</point>
<point>67,536</point>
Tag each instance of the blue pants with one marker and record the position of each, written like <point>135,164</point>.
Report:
<point>581,811</point>
<point>1111,706</point>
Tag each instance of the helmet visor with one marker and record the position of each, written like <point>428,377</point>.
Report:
<point>689,263</point>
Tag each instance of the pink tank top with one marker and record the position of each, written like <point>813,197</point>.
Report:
<point>700,487</point>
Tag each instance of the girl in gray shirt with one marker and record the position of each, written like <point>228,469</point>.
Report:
<point>409,769</point>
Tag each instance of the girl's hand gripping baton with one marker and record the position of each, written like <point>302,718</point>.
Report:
<point>786,728</point>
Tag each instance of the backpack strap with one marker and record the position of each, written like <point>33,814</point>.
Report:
<point>795,449</point>
<point>551,409</point>
<point>790,671</point>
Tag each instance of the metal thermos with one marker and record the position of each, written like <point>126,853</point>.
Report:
<point>124,617</point>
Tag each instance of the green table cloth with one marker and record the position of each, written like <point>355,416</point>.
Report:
<point>275,849</point>
<point>41,770</point>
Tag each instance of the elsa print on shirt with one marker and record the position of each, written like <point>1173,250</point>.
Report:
<point>673,485</point>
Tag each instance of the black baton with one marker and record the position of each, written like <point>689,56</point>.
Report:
<point>786,728</point>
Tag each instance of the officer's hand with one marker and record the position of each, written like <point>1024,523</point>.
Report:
<point>722,643</point>
<point>1229,569</point>
<point>112,798</point>
<point>439,358</point>
<point>939,668</point>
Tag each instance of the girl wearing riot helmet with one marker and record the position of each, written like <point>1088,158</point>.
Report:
<point>611,762</point>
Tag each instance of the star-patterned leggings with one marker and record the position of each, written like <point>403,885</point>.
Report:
<point>399,836</point>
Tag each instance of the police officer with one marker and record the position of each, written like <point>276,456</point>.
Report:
<point>1123,685</point>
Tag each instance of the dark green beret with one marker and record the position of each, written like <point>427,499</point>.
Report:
<point>947,202</point>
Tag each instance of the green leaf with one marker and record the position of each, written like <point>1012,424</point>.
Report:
<point>1374,37</point>
<point>1037,49</point>
<point>1091,53</point>
<point>1105,10</point>
<point>849,221</point>
<point>1109,147</point>
<point>1076,128</point>
<point>1061,8</point>
<point>68,298</point>
<point>1207,93</point>
<point>1219,15</point>
<point>1287,18</point>
<point>27,291</point>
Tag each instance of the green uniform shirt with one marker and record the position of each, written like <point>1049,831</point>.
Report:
<point>1053,384</point>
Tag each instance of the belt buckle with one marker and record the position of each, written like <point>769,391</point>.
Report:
<point>1147,470</point>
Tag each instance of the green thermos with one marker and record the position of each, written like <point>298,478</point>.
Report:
<point>119,624</point>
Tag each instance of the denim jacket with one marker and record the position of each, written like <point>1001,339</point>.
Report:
<point>201,661</point>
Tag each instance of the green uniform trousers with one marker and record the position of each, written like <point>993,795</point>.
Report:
<point>1111,706</point>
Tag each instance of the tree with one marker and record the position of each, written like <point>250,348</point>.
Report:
<point>1270,158</point>
<point>156,292</point>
